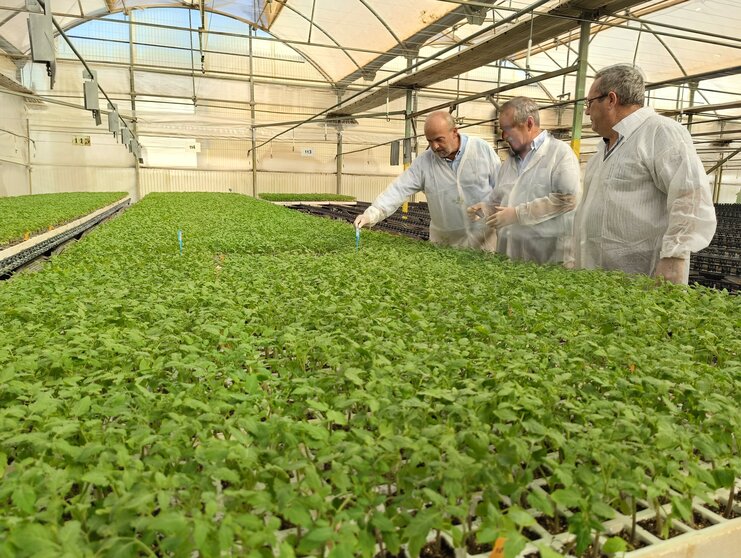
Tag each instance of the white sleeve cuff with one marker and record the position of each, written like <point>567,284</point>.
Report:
<point>374,215</point>
<point>675,251</point>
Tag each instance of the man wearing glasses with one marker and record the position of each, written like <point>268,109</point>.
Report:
<point>646,202</point>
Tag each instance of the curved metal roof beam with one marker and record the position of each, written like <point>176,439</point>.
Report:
<point>542,87</point>
<point>315,64</point>
<point>11,16</point>
<point>9,48</point>
<point>568,47</point>
<point>674,57</point>
<point>6,45</point>
<point>284,3</point>
<point>383,22</point>
<point>308,58</point>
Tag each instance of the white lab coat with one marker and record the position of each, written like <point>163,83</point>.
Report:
<point>544,195</point>
<point>448,194</point>
<point>649,199</point>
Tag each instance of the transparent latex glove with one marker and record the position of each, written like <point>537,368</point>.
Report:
<point>361,221</point>
<point>503,217</point>
<point>569,260</point>
<point>674,270</point>
<point>370,217</point>
<point>481,210</point>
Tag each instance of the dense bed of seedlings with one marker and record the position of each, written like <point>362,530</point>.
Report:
<point>275,391</point>
<point>29,215</point>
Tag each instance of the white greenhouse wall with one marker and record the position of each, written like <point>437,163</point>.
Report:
<point>50,179</point>
<point>14,179</point>
<point>364,188</point>
<point>218,154</point>
<point>296,182</point>
<point>174,180</point>
<point>60,165</point>
<point>58,148</point>
<point>14,176</point>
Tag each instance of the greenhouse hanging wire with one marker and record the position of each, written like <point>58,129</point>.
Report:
<point>529,46</point>
<point>203,36</point>
<point>3,130</point>
<point>192,66</point>
<point>387,103</point>
<point>638,42</point>
<point>673,56</point>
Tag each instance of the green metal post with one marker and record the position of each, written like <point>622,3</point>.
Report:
<point>581,78</point>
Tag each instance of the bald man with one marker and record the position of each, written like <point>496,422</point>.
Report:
<point>457,171</point>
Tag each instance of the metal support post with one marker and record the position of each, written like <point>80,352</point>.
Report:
<point>408,111</point>
<point>29,168</point>
<point>132,93</point>
<point>339,147</point>
<point>581,78</point>
<point>253,151</point>
<point>718,183</point>
<point>693,89</point>
<point>408,133</point>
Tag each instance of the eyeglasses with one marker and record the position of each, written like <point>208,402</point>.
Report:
<point>597,98</point>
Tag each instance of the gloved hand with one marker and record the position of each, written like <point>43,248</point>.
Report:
<point>476,211</point>
<point>361,221</point>
<point>481,210</point>
<point>674,270</point>
<point>502,217</point>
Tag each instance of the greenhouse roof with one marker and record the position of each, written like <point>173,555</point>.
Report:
<point>362,58</point>
<point>349,39</point>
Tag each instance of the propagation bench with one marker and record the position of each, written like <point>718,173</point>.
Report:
<point>22,254</point>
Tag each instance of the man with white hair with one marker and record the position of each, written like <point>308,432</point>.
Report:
<point>456,172</point>
<point>647,201</point>
<point>532,207</point>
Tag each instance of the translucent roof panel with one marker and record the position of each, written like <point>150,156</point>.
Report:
<point>356,42</point>
<point>341,37</point>
<point>356,25</point>
<point>351,32</point>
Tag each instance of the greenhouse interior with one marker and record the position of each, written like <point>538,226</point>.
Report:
<point>370,278</point>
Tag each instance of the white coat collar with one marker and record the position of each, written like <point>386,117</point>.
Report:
<point>632,122</point>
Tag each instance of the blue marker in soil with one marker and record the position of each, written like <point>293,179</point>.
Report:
<point>180,241</point>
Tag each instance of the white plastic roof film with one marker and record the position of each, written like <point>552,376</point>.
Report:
<point>342,36</point>
<point>306,52</point>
